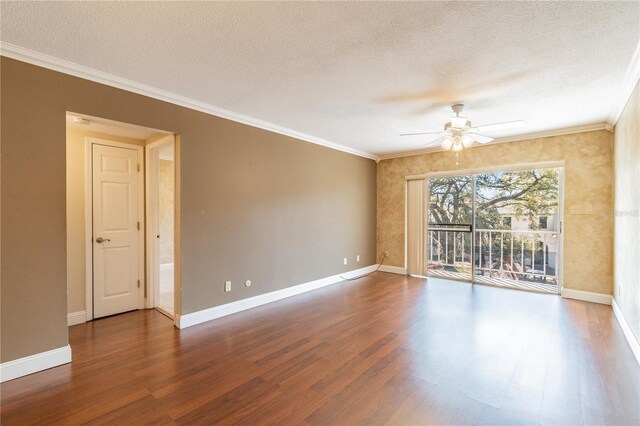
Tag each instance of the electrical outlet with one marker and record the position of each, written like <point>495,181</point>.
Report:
<point>588,210</point>
<point>247,283</point>
<point>345,260</point>
<point>357,258</point>
<point>227,286</point>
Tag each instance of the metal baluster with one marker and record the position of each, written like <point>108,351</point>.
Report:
<point>533,253</point>
<point>483,257</point>
<point>479,249</point>
<point>431,246</point>
<point>544,254</point>
<point>481,265</point>
<point>446,247</point>
<point>439,246</point>
<point>522,254</point>
<point>501,251</point>
<point>490,254</point>
<point>454,247</point>
<point>512,235</point>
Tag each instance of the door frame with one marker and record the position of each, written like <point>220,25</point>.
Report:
<point>152,225</point>
<point>88,218</point>
<point>492,169</point>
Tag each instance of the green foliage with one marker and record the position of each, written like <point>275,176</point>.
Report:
<point>522,194</point>
<point>450,200</point>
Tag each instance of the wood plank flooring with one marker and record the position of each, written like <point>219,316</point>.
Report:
<point>386,349</point>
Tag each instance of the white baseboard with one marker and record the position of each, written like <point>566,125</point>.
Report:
<point>631,338</point>
<point>75,318</point>
<point>32,364</point>
<point>587,296</point>
<point>188,320</point>
<point>166,266</point>
<point>393,269</point>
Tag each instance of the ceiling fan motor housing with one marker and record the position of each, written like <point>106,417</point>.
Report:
<point>457,125</point>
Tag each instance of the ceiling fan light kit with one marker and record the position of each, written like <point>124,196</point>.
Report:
<point>458,132</point>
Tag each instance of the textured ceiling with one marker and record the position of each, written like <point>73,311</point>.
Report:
<point>356,74</point>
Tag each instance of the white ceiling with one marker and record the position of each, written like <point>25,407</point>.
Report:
<point>355,74</point>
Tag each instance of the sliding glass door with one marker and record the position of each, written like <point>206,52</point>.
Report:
<point>500,228</point>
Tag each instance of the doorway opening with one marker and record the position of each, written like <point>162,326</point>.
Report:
<point>160,159</point>
<point>500,228</point>
<point>107,252</point>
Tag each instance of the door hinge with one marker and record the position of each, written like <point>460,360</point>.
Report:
<point>138,283</point>
<point>138,166</point>
<point>138,226</point>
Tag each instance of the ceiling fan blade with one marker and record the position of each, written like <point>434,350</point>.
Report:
<point>435,141</point>
<point>500,126</point>
<point>480,138</point>
<point>423,133</point>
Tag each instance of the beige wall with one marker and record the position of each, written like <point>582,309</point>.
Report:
<point>627,212</point>
<point>588,239</point>
<point>166,207</point>
<point>76,238</point>
<point>254,204</point>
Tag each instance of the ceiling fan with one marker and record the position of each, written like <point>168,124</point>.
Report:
<point>459,134</point>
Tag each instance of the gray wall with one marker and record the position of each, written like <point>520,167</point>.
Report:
<point>255,205</point>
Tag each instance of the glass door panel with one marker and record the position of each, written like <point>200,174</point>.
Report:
<point>517,229</point>
<point>449,228</point>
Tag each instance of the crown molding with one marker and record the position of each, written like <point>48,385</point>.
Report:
<point>60,65</point>
<point>515,138</point>
<point>629,83</point>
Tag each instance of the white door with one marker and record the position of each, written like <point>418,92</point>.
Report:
<point>115,230</point>
<point>161,209</point>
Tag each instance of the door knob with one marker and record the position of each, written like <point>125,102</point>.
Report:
<point>101,240</point>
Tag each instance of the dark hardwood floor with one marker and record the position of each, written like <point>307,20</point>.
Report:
<point>385,349</point>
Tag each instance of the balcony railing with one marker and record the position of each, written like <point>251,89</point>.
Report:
<point>526,258</point>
